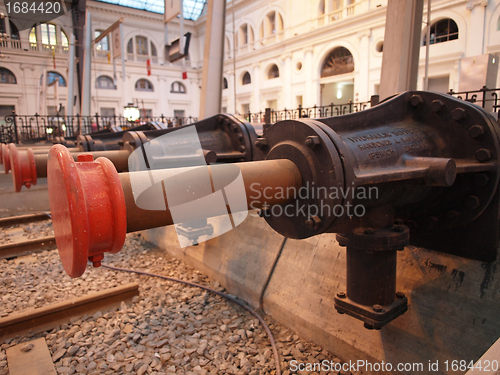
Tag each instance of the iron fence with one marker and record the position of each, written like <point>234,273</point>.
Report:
<point>271,116</point>
<point>33,128</point>
<point>484,97</point>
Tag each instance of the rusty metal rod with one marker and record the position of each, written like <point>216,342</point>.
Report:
<point>45,150</point>
<point>119,158</point>
<point>273,175</point>
<point>93,206</point>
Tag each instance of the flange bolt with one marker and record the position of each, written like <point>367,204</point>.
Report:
<point>313,222</point>
<point>312,141</point>
<point>261,143</point>
<point>476,131</point>
<point>458,114</point>
<point>437,105</point>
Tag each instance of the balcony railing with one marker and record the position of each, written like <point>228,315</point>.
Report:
<point>20,44</point>
<point>142,58</point>
<point>23,128</point>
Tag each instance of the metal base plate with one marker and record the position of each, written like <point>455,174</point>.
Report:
<point>372,319</point>
<point>194,233</point>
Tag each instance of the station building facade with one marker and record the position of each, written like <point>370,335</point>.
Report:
<point>278,54</point>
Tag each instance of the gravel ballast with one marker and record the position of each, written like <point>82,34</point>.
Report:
<point>170,328</point>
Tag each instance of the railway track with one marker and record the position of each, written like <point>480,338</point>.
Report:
<point>15,247</point>
<point>48,317</point>
<point>30,218</point>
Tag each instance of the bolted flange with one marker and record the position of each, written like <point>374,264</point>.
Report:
<point>88,208</point>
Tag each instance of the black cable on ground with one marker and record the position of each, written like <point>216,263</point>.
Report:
<point>224,295</point>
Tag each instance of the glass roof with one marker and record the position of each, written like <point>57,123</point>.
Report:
<point>192,8</point>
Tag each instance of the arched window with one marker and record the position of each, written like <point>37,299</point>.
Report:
<point>105,82</point>
<point>50,37</point>
<point>54,76</point>
<point>140,48</point>
<point>246,80</point>
<point>339,61</point>
<point>224,83</point>
<point>64,41</point>
<point>273,72</point>
<point>178,88</point>
<point>245,35</point>
<point>143,85</point>
<point>6,76</point>
<point>442,31</point>
<point>272,25</point>
<point>103,44</point>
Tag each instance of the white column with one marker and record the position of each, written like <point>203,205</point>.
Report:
<point>58,46</point>
<point>231,105</point>
<point>286,73</point>
<point>43,102</point>
<point>401,46</point>
<point>310,92</point>
<point>87,74</point>
<point>71,76</point>
<point>211,84</point>
<point>475,33</point>
<point>38,32</point>
<point>7,28</point>
<point>363,67</point>
<point>163,96</point>
<point>256,104</point>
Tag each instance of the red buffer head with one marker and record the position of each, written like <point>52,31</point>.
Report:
<point>87,206</point>
<point>23,167</point>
